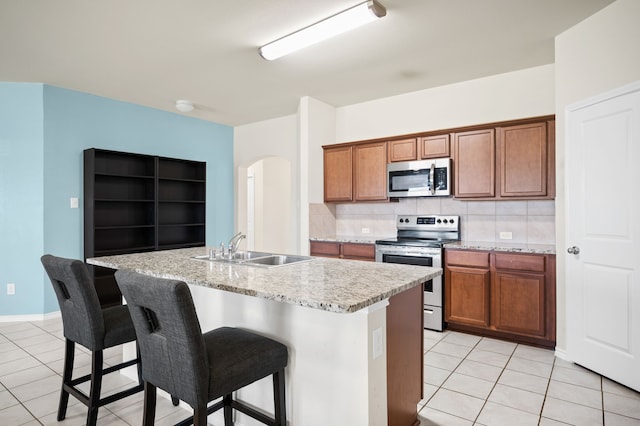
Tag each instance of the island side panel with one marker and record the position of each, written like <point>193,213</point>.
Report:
<point>405,356</point>
<point>328,380</point>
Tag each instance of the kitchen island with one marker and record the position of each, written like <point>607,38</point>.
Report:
<point>353,329</point>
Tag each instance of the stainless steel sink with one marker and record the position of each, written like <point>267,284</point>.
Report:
<point>248,255</point>
<point>238,257</point>
<point>258,258</point>
<point>277,260</point>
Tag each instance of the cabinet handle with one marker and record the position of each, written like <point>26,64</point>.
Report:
<point>573,250</point>
<point>428,311</point>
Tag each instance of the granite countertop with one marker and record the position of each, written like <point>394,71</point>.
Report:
<point>359,239</point>
<point>503,247</point>
<point>333,285</point>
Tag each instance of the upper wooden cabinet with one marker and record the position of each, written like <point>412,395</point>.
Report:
<point>403,150</point>
<point>494,161</point>
<point>370,172</point>
<point>420,148</point>
<point>506,162</point>
<point>526,160</point>
<point>474,155</point>
<point>338,174</point>
<point>355,172</point>
<point>433,146</point>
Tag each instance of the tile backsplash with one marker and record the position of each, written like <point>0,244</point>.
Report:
<point>530,222</point>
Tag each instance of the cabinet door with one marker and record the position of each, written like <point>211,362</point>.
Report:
<point>474,163</point>
<point>519,303</point>
<point>324,249</point>
<point>370,171</point>
<point>359,251</point>
<point>434,146</point>
<point>523,160</point>
<point>403,150</point>
<point>467,296</point>
<point>338,183</point>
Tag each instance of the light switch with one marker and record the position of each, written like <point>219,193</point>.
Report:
<point>74,202</point>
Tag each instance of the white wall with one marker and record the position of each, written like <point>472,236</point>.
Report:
<point>257,141</point>
<point>595,56</point>
<point>273,195</point>
<point>518,94</point>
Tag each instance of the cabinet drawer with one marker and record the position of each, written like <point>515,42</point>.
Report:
<point>520,262</point>
<point>367,251</point>
<point>472,259</point>
<point>323,248</point>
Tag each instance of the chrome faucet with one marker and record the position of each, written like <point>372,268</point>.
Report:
<point>234,242</point>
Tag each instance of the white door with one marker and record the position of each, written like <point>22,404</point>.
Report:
<point>603,234</point>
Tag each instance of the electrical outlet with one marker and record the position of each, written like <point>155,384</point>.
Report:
<point>366,230</point>
<point>73,202</point>
<point>506,235</point>
<point>11,289</point>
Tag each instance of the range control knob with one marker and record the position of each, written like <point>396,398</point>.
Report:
<point>445,221</point>
<point>439,221</point>
<point>451,220</point>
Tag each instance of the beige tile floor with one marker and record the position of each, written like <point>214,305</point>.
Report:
<point>468,381</point>
<point>471,380</point>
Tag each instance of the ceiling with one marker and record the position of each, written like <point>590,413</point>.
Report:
<point>153,52</point>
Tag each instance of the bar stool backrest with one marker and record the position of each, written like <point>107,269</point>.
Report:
<point>173,351</point>
<point>79,305</point>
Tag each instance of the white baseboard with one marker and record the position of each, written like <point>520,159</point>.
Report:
<point>27,318</point>
<point>562,354</point>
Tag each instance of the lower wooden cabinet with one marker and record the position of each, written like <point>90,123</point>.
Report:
<point>354,251</point>
<point>500,294</point>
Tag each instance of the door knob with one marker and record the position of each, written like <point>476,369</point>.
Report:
<point>573,250</point>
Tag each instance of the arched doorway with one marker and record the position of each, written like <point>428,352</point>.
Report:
<point>268,206</point>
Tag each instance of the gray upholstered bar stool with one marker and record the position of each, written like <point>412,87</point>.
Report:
<point>86,323</point>
<point>194,367</point>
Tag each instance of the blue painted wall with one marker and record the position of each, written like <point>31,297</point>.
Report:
<point>74,121</point>
<point>21,197</point>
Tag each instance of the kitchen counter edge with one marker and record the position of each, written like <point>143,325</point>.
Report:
<point>503,247</point>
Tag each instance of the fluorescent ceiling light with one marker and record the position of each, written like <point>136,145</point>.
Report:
<point>339,23</point>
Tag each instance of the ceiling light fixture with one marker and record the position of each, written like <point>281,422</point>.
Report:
<point>339,23</point>
<point>184,105</point>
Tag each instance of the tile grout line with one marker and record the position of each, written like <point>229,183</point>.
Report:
<point>20,402</point>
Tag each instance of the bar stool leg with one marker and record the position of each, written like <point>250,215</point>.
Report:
<point>149,411</point>
<point>228,411</point>
<point>69,354</point>
<point>96,385</point>
<point>280,412</point>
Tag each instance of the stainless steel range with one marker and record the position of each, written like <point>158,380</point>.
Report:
<point>420,240</point>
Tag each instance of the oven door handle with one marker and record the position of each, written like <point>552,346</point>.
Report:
<point>411,253</point>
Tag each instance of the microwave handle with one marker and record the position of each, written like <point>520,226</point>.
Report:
<point>432,176</point>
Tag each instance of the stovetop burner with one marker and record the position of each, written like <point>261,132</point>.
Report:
<point>424,231</point>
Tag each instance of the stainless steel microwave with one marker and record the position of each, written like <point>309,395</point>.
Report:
<point>424,178</point>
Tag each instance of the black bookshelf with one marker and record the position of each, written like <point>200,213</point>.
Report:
<point>138,203</point>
